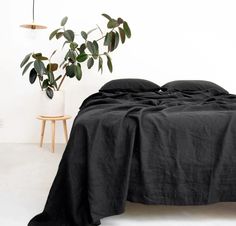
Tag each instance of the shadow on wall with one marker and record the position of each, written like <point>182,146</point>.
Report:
<point>162,213</point>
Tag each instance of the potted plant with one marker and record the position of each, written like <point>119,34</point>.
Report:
<point>87,52</point>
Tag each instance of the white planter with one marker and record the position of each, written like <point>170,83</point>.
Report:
<point>54,107</point>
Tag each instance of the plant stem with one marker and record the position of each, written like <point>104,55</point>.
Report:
<point>62,80</point>
<point>40,84</point>
<point>101,38</point>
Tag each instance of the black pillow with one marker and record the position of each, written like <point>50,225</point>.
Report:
<point>192,85</point>
<point>129,85</point>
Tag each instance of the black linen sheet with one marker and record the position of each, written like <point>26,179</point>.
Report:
<point>175,148</point>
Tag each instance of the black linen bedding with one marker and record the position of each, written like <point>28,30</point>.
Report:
<point>175,148</point>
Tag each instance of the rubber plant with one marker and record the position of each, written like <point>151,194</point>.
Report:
<point>87,52</point>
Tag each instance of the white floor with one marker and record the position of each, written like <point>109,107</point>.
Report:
<point>26,174</point>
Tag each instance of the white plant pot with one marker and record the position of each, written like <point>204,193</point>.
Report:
<point>54,107</point>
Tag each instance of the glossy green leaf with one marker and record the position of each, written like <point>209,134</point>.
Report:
<point>90,47</point>
<point>78,71</point>
<point>39,67</point>
<point>127,29</point>
<point>112,24</point>
<point>95,47</point>
<point>106,16</point>
<point>59,35</point>
<point>117,39</point>
<point>82,48</point>
<point>73,45</point>
<point>25,60</point>
<point>69,35</point>
<point>64,21</point>
<point>84,35</point>
<point>70,71</point>
<point>51,77</point>
<point>109,63</point>
<point>32,75</point>
<point>100,64</point>
<point>112,42</point>
<point>49,92</point>
<point>27,67</point>
<point>90,62</point>
<point>51,36</point>
<point>45,84</point>
<point>82,57</point>
<point>70,55</point>
<point>122,35</point>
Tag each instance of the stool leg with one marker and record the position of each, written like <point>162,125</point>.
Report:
<point>42,132</point>
<point>65,130</point>
<point>53,135</point>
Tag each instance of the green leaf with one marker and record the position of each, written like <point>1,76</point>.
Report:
<point>39,56</point>
<point>70,70</point>
<point>100,63</point>
<point>78,71</point>
<point>63,21</point>
<point>52,67</point>
<point>112,41</point>
<point>84,35</point>
<point>127,29</point>
<point>95,47</point>
<point>109,63</point>
<point>82,57</point>
<point>106,16</point>
<point>106,39</point>
<point>26,67</point>
<point>25,60</point>
<point>59,35</point>
<point>49,92</point>
<point>73,45</point>
<point>39,67</point>
<point>90,47</point>
<point>122,35</point>
<point>82,48</point>
<point>69,35</point>
<point>70,55</point>
<point>90,62</point>
<point>45,84</point>
<point>51,77</point>
<point>32,75</point>
<point>53,33</point>
<point>112,24</point>
<point>117,39</point>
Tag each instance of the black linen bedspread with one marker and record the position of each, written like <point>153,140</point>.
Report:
<point>155,148</point>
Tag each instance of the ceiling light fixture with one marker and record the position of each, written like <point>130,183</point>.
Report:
<point>33,25</point>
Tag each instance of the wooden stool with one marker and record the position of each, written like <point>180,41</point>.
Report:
<point>53,121</point>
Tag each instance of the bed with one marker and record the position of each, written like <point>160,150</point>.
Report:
<point>135,141</point>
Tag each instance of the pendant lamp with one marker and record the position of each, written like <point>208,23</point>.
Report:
<point>33,25</point>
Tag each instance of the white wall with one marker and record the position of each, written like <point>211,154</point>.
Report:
<point>172,39</point>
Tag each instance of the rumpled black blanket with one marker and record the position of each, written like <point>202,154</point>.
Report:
<point>154,148</point>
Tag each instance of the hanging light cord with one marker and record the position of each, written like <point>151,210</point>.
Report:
<point>33,10</point>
